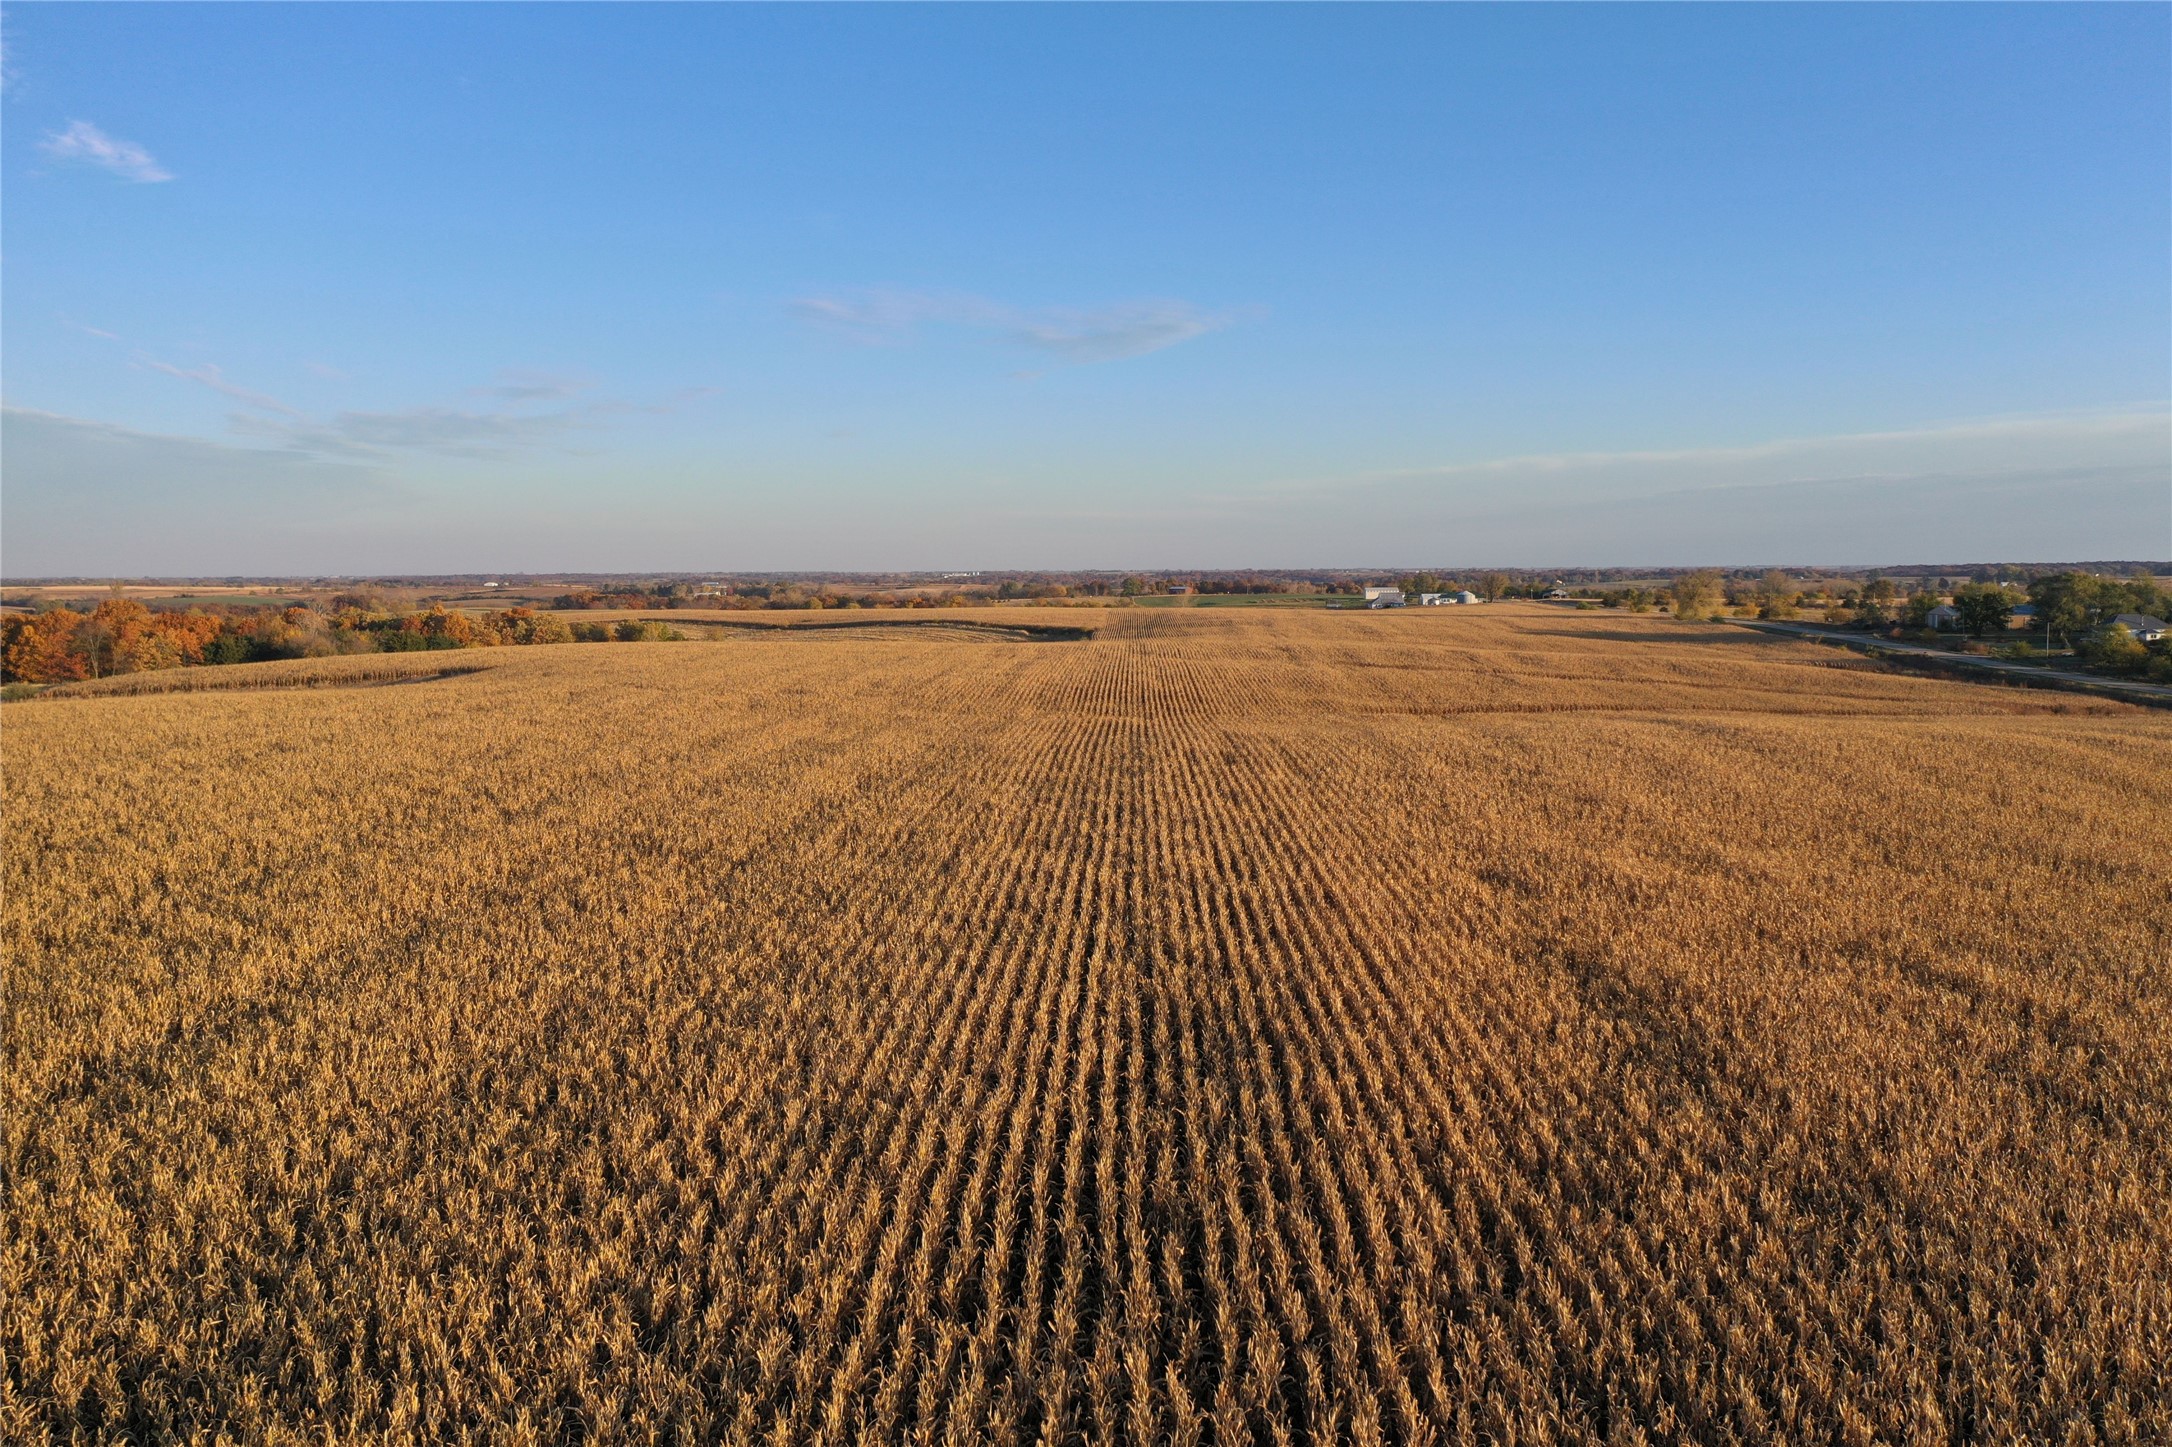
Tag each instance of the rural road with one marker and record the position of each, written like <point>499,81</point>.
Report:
<point>2135,689</point>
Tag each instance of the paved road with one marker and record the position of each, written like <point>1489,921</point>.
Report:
<point>2134,689</point>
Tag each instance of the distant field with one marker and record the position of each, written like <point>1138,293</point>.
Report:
<point>160,598</point>
<point>1242,600</point>
<point>207,592</point>
<point>725,623</point>
<point>1461,1025</point>
<point>350,671</point>
<point>1066,615</point>
<point>231,600</point>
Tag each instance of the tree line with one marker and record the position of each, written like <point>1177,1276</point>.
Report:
<point>2073,610</point>
<point>121,635</point>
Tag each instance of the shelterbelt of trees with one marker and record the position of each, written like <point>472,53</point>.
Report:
<point>800,594</point>
<point>121,635</point>
<point>2079,610</point>
<point>750,596</point>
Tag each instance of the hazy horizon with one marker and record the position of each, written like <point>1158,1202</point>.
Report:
<point>366,291</point>
<point>1907,567</point>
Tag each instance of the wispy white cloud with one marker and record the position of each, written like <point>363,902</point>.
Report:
<point>84,143</point>
<point>95,498</point>
<point>2045,514</point>
<point>442,431</point>
<point>2114,437</point>
<point>882,317</point>
<point>517,385</point>
<point>2037,488</point>
<point>889,318</point>
<point>512,427</point>
<point>507,421</point>
<point>2041,487</point>
<point>1112,333</point>
<point>209,375</point>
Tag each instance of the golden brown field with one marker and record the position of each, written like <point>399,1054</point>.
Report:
<point>1476,1025</point>
<point>354,670</point>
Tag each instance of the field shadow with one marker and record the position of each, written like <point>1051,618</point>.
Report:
<point>1017,632</point>
<point>170,683</point>
<point>1619,635</point>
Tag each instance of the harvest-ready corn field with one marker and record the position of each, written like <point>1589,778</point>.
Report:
<point>1468,1025</point>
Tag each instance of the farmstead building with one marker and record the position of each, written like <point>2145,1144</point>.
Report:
<point>1383,597</point>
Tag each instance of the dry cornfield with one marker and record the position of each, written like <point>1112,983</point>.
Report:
<point>1475,1025</point>
<point>348,672</point>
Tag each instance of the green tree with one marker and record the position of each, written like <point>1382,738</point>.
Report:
<point>1776,595</point>
<point>2145,596</point>
<point>1984,608</point>
<point>2115,650</point>
<point>1698,594</point>
<point>228,648</point>
<point>526,626</point>
<point>2070,604</point>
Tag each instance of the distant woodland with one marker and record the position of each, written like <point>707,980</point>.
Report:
<point>121,635</point>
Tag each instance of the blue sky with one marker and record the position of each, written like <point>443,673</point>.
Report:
<point>453,288</point>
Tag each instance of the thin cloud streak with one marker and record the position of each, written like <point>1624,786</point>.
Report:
<point>1118,332</point>
<point>2042,487</point>
<point>380,437</point>
<point>1072,335</point>
<point>209,375</point>
<point>516,385</point>
<point>889,318</point>
<point>1977,445</point>
<point>88,497</point>
<point>444,431</point>
<point>84,143</point>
